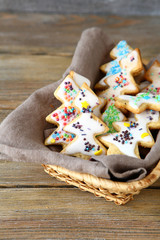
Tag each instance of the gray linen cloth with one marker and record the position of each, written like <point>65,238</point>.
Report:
<point>22,132</point>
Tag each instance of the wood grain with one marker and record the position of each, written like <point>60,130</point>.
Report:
<point>58,34</point>
<point>122,7</point>
<point>14,174</point>
<point>19,174</point>
<point>4,113</point>
<point>72,214</point>
<point>28,73</point>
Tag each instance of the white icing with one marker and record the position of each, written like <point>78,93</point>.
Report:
<point>62,116</point>
<point>79,79</point>
<point>131,61</point>
<point>136,101</point>
<point>139,134</point>
<point>59,135</point>
<point>76,80</point>
<point>49,140</point>
<point>150,94</point>
<point>86,97</point>
<point>118,53</point>
<point>119,82</point>
<point>88,128</point>
<point>67,112</point>
<point>154,73</point>
<point>148,116</point>
<point>60,93</point>
<point>85,126</point>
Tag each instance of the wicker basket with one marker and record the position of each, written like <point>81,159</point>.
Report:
<point>119,192</point>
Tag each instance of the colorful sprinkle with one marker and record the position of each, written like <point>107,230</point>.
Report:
<point>126,124</point>
<point>99,152</point>
<point>143,135</point>
<point>111,115</point>
<point>84,104</point>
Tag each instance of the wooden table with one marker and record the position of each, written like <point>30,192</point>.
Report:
<point>35,50</point>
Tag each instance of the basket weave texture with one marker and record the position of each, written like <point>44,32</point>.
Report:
<point>118,192</point>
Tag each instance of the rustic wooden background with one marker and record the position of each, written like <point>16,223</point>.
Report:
<point>105,7</point>
<point>35,50</point>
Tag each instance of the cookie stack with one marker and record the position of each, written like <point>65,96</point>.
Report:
<point>117,117</point>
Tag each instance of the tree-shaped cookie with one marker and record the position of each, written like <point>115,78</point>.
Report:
<point>66,93</point>
<point>86,126</point>
<point>153,76</point>
<point>131,134</point>
<point>110,115</point>
<point>121,83</point>
<point>149,98</point>
<point>140,102</point>
<point>121,50</point>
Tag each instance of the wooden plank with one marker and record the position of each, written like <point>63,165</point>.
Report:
<point>122,7</point>
<point>18,174</point>
<point>3,114</point>
<point>72,214</point>
<point>15,174</point>
<point>59,34</point>
<point>28,73</point>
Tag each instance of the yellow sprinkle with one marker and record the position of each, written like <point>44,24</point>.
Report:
<point>52,140</point>
<point>143,135</point>
<point>85,104</point>
<point>127,124</point>
<point>99,152</point>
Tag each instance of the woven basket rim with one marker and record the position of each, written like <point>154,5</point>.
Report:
<point>113,186</point>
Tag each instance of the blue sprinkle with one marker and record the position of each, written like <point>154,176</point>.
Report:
<point>158,98</point>
<point>146,97</point>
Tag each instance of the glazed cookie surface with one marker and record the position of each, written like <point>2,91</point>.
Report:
<point>140,102</point>
<point>153,76</point>
<point>121,83</point>
<point>149,98</point>
<point>131,134</point>
<point>86,126</point>
<point>66,93</point>
<point>118,52</point>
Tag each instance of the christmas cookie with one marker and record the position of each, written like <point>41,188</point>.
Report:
<point>68,89</point>
<point>121,83</point>
<point>66,93</point>
<point>110,115</point>
<point>149,98</point>
<point>153,76</point>
<point>140,102</point>
<point>86,126</point>
<point>118,52</point>
<point>132,134</point>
